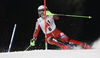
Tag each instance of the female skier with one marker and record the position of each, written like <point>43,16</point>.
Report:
<point>54,36</point>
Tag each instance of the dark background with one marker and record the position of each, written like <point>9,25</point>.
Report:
<point>24,14</point>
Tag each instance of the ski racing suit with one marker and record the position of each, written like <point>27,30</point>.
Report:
<point>53,34</point>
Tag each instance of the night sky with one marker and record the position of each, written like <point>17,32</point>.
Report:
<point>24,14</point>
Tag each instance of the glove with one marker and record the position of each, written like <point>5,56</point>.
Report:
<point>32,41</point>
<point>49,13</point>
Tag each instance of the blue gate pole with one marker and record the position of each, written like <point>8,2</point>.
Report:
<point>12,38</point>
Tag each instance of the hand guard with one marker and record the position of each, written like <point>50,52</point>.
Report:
<point>32,41</point>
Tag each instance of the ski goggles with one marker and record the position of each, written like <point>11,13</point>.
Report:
<point>42,9</point>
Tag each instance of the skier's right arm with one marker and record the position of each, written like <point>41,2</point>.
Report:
<point>36,31</point>
<point>35,34</point>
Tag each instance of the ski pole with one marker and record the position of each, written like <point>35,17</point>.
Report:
<point>28,47</point>
<point>75,16</point>
<point>49,13</point>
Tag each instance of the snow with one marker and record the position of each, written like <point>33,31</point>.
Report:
<point>89,53</point>
<point>96,44</point>
<point>92,53</point>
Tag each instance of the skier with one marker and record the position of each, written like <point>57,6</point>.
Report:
<point>54,35</point>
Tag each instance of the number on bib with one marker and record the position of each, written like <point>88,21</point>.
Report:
<point>49,29</point>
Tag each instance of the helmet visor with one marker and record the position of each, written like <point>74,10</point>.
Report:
<point>40,12</point>
<point>42,9</point>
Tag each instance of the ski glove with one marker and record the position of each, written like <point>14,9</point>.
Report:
<point>32,41</point>
<point>49,13</point>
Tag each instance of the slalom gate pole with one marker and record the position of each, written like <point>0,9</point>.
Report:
<point>12,38</point>
<point>45,25</point>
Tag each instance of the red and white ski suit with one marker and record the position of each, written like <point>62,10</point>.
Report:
<point>52,31</point>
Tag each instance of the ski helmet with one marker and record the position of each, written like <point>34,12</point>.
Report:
<point>41,9</point>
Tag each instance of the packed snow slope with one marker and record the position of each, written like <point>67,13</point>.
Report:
<point>80,53</point>
<point>93,53</point>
